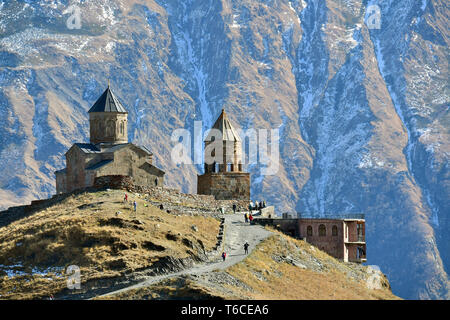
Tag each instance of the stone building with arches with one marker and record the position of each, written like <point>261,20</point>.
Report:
<point>109,152</point>
<point>341,236</point>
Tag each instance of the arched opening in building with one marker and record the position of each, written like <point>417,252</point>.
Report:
<point>334,231</point>
<point>360,253</point>
<point>99,127</point>
<point>359,232</point>
<point>229,167</point>
<point>322,230</point>
<point>94,125</point>
<point>121,128</point>
<point>309,231</point>
<point>156,182</point>
<point>110,128</point>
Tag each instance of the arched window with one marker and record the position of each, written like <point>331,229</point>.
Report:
<point>110,128</point>
<point>156,182</point>
<point>309,231</point>
<point>334,231</point>
<point>94,125</point>
<point>322,230</point>
<point>121,128</point>
<point>99,126</point>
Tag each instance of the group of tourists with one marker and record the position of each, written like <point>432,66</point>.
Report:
<point>252,206</point>
<point>257,205</point>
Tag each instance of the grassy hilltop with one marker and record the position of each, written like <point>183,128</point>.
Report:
<point>84,230</point>
<point>114,250</point>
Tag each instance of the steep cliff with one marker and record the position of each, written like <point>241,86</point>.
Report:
<point>363,113</point>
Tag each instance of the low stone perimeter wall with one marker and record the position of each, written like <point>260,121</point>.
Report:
<point>172,200</point>
<point>167,196</point>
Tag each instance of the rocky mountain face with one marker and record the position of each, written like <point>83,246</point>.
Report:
<point>362,111</point>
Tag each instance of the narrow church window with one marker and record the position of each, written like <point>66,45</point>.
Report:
<point>110,129</point>
<point>322,230</point>
<point>156,182</point>
<point>309,231</point>
<point>121,128</point>
<point>334,231</point>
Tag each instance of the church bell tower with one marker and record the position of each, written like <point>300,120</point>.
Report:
<point>224,178</point>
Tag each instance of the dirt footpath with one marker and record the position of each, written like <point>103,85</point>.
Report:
<point>236,233</point>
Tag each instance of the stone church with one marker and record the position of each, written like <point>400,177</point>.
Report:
<point>108,153</point>
<point>224,179</point>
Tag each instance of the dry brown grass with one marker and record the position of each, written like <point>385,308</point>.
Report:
<point>101,243</point>
<point>284,281</point>
<point>275,281</point>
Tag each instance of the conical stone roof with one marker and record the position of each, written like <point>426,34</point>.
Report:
<point>223,124</point>
<point>107,103</point>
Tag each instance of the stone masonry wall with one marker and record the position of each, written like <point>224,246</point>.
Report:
<point>225,185</point>
<point>168,196</point>
<point>332,244</point>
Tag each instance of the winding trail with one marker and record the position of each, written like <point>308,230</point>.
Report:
<point>236,233</point>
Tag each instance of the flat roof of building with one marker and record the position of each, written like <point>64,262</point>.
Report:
<point>333,216</point>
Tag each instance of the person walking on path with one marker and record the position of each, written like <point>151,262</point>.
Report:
<point>125,198</point>
<point>246,217</point>
<point>250,218</point>
<point>234,208</point>
<point>135,205</point>
<point>246,247</point>
<point>224,255</point>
